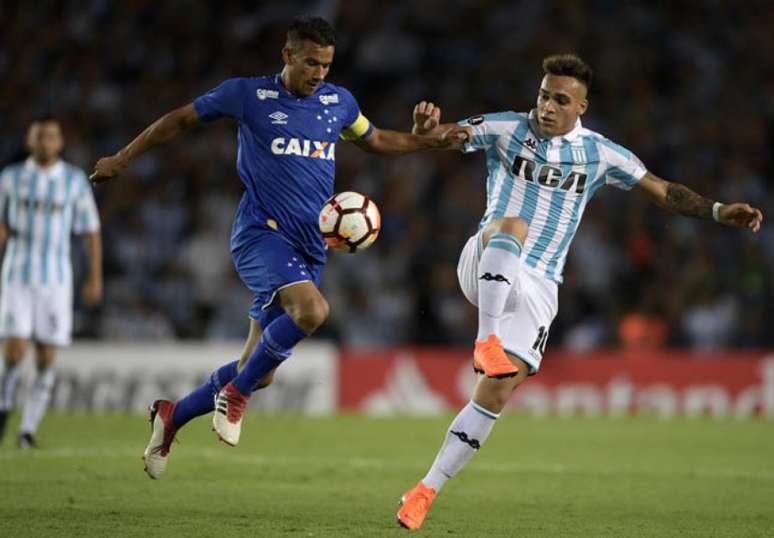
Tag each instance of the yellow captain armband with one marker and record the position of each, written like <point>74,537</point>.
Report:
<point>359,127</point>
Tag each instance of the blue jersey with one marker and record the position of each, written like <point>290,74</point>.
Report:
<point>286,152</point>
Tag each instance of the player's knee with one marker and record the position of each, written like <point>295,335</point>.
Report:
<point>515,226</point>
<point>14,350</point>
<point>44,356</point>
<point>311,313</point>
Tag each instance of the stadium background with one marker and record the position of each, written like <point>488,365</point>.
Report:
<point>658,313</point>
<point>686,86</point>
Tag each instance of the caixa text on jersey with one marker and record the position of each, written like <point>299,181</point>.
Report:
<point>304,148</point>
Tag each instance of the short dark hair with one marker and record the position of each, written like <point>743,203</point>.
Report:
<point>568,65</point>
<point>45,118</point>
<point>314,29</point>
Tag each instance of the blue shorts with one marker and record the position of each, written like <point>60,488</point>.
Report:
<point>266,263</point>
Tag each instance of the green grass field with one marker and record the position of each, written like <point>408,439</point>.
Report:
<point>296,476</point>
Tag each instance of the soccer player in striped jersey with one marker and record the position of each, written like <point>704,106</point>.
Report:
<point>43,201</point>
<point>289,124</point>
<point>543,168</point>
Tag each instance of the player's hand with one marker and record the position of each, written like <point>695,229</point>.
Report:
<point>740,216</point>
<point>455,137</point>
<point>92,292</point>
<point>427,117</point>
<point>107,168</point>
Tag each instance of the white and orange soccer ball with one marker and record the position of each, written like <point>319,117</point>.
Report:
<point>349,221</point>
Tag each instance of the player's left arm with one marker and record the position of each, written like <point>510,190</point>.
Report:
<point>374,140</point>
<point>85,223</point>
<point>679,199</point>
<point>397,143</point>
<point>92,288</point>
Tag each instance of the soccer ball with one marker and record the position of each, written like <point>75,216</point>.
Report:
<point>349,221</point>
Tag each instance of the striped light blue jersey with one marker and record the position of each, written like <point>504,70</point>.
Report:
<point>546,181</point>
<point>42,207</point>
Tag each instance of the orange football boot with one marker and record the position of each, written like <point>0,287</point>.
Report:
<point>414,506</point>
<point>489,358</point>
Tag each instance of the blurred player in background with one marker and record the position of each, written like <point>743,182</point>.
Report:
<point>543,166</point>
<point>289,124</point>
<point>43,201</point>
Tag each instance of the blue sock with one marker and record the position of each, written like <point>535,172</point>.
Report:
<point>202,400</point>
<point>277,342</point>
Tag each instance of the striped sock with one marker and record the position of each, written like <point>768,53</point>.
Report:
<point>498,273</point>
<point>468,431</point>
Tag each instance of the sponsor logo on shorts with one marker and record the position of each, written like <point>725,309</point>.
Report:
<point>476,120</point>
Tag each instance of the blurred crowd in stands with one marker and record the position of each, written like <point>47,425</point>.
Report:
<point>687,86</point>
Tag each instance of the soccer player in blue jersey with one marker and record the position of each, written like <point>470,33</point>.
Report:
<point>543,168</point>
<point>289,124</point>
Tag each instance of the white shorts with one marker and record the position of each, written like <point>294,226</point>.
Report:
<point>43,314</point>
<point>529,309</point>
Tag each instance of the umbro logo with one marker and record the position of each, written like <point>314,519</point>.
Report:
<point>497,278</point>
<point>474,444</point>
<point>531,143</point>
<point>279,118</point>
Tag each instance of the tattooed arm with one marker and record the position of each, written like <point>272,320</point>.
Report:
<point>678,198</point>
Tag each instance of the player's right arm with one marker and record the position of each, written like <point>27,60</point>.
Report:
<point>227,100</point>
<point>162,130</point>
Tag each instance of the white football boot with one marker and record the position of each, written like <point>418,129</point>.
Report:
<point>229,409</point>
<point>162,434</point>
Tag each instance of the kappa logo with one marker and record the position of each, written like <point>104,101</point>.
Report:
<point>474,444</point>
<point>279,118</point>
<point>329,98</point>
<point>496,278</point>
<point>531,143</point>
<point>304,148</point>
<point>264,94</point>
